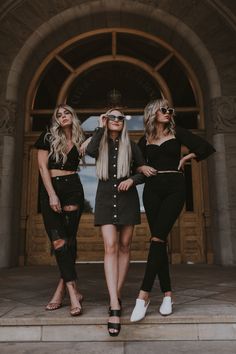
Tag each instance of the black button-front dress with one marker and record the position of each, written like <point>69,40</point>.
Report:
<point>111,206</point>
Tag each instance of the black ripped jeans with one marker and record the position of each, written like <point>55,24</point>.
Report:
<point>64,225</point>
<point>163,199</point>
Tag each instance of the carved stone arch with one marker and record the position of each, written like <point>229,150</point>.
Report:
<point>80,11</point>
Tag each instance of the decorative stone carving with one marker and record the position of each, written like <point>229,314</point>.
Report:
<point>224,113</point>
<point>7,118</point>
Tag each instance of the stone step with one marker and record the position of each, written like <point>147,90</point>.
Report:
<point>189,323</point>
<point>204,297</point>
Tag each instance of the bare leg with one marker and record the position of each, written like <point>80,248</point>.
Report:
<point>110,239</point>
<point>75,298</point>
<point>126,234</point>
<point>56,301</point>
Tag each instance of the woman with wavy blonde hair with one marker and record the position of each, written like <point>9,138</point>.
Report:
<point>117,203</point>
<point>62,198</point>
<point>150,123</point>
<point>164,194</point>
<point>57,137</point>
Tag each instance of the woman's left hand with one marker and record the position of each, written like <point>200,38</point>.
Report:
<point>125,185</point>
<point>182,162</point>
<point>184,159</point>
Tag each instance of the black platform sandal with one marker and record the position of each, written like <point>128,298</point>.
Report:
<point>120,303</point>
<point>112,325</point>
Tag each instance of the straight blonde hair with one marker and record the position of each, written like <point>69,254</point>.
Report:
<point>124,153</point>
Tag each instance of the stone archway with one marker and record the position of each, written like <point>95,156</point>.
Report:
<point>185,245</point>
<point>146,12</point>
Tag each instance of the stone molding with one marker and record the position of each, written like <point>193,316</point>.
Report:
<point>224,114</point>
<point>8,118</point>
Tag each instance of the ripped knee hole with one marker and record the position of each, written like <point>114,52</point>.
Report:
<point>58,244</point>
<point>156,239</point>
<point>70,207</point>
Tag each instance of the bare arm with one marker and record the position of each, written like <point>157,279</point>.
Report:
<point>186,158</point>
<point>44,172</point>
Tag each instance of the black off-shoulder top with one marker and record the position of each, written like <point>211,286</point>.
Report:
<point>166,156</point>
<point>73,157</point>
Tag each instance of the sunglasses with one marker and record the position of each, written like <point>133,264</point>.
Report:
<point>113,118</point>
<point>168,110</point>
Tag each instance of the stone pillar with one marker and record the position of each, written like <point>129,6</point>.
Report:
<point>7,152</point>
<point>224,169</point>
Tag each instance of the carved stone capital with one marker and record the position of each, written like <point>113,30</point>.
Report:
<point>7,118</point>
<point>223,110</point>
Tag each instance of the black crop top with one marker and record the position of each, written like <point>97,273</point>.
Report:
<point>73,156</point>
<point>166,156</point>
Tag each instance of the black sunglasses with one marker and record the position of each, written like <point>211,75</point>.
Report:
<point>168,110</point>
<point>113,118</point>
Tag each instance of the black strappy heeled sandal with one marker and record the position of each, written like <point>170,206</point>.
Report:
<point>120,303</point>
<point>112,325</point>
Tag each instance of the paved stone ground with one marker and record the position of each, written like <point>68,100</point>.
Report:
<point>199,291</point>
<point>26,290</point>
<point>172,347</point>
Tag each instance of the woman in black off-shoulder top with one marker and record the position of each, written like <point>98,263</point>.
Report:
<point>164,193</point>
<point>62,198</point>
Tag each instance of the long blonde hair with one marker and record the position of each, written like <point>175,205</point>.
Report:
<point>124,153</point>
<point>57,138</point>
<point>150,119</point>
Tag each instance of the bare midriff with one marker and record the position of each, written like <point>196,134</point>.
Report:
<point>56,173</point>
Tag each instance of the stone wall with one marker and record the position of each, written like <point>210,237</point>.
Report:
<point>224,169</point>
<point>7,174</point>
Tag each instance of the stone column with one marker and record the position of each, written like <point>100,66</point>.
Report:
<point>224,168</point>
<point>7,152</point>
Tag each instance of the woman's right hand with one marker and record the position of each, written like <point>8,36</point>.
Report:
<point>102,121</point>
<point>148,171</point>
<point>55,203</point>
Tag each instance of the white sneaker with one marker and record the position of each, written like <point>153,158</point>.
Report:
<point>139,310</point>
<point>166,306</point>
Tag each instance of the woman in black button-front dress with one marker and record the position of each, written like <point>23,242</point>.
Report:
<point>117,204</point>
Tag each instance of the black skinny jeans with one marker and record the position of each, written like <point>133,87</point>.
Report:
<point>163,199</point>
<point>64,225</point>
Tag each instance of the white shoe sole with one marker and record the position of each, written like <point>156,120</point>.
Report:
<point>165,315</point>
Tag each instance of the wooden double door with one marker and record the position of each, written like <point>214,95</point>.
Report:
<point>189,240</point>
